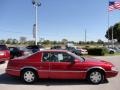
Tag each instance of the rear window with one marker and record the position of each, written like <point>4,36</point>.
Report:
<point>3,47</point>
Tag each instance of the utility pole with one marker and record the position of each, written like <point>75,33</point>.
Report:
<point>112,37</point>
<point>108,24</point>
<point>85,35</point>
<point>36,4</point>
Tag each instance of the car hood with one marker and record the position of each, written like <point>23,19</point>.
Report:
<point>97,61</point>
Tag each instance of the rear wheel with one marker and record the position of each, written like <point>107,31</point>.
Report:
<point>29,76</point>
<point>95,77</point>
<point>2,62</point>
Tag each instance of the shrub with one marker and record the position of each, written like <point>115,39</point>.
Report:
<point>97,51</point>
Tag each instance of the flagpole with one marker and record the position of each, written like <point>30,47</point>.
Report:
<point>112,42</point>
<point>112,6</point>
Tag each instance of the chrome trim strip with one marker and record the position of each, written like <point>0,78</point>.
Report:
<point>111,71</point>
<point>96,67</point>
<point>59,71</point>
<point>12,70</point>
<point>48,70</point>
<point>29,67</point>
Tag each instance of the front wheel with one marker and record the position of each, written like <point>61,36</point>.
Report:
<point>29,76</point>
<point>95,77</point>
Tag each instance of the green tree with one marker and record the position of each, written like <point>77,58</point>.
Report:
<point>2,41</point>
<point>54,42</point>
<point>64,41</point>
<point>92,42</point>
<point>30,42</point>
<point>9,41</point>
<point>116,32</point>
<point>100,41</point>
<point>46,42</point>
<point>23,39</point>
<point>14,41</point>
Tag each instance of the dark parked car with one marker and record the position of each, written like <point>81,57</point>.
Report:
<point>73,50</point>
<point>56,47</point>
<point>35,48</point>
<point>18,51</point>
<point>15,52</point>
<point>60,64</point>
<point>4,53</point>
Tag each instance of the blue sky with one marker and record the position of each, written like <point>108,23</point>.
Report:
<point>57,19</point>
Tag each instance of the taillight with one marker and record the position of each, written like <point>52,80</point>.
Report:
<point>2,53</point>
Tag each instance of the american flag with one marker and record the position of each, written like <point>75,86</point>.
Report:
<point>114,5</point>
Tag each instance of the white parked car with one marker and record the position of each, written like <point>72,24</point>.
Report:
<point>111,50</point>
<point>83,51</point>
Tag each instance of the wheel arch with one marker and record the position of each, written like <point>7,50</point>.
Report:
<point>96,68</point>
<point>30,68</point>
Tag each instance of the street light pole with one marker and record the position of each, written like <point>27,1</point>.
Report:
<point>36,4</point>
<point>112,37</point>
<point>85,35</point>
<point>36,25</point>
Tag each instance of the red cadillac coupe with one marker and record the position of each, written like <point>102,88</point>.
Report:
<point>60,64</point>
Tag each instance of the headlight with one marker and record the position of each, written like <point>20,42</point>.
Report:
<point>114,69</point>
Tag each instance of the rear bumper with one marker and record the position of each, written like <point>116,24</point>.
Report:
<point>13,72</point>
<point>84,53</point>
<point>4,59</point>
<point>110,74</point>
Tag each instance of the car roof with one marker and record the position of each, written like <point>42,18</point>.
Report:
<point>13,47</point>
<point>54,50</point>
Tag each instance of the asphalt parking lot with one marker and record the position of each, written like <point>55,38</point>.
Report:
<point>11,83</point>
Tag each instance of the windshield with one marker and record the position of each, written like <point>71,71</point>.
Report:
<point>76,56</point>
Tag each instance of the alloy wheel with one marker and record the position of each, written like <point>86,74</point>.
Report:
<point>95,77</point>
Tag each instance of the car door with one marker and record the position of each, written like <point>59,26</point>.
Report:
<point>63,66</point>
<point>44,68</point>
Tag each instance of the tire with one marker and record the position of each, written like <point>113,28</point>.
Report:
<point>95,77</point>
<point>2,62</point>
<point>29,76</point>
<point>111,52</point>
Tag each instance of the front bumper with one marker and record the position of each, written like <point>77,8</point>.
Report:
<point>110,74</point>
<point>84,53</point>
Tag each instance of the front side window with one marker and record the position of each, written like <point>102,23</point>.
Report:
<point>46,57</point>
<point>57,57</point>
<point>67,57</point>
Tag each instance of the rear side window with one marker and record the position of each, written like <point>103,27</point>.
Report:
<point>11,49</point>
<point>3,47</point>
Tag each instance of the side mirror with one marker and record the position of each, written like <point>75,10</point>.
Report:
<point>72,62</point>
